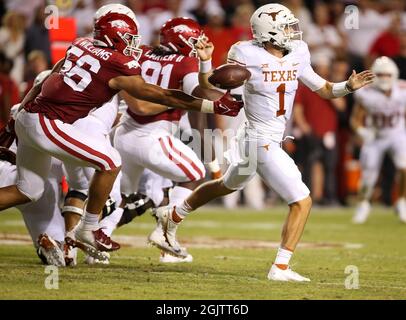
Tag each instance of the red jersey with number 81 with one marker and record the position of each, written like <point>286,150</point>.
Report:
<point>172,71</point>
<point>82,83</point>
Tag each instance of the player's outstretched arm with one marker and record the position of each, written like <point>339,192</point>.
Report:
<point>138,88</point>
<point>142,107</point>
<point>356,81</point>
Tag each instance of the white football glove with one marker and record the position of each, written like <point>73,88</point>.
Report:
<point>367,135</point>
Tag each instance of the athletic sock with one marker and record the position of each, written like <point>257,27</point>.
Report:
<point>178,194</point>
<point>183,210</point>
<point>90,219</point>
<point>282,258</point>
<point>109,223</point>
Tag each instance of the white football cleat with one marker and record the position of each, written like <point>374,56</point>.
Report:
<point>401,209</point>
<point>168,258</point>
<point>362,212</point>
<point>51,251</point>
<point>277,274</point>
<point>164,235</point>
<point>95,237</point>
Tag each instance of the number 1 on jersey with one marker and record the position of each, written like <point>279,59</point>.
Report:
<point>281,90</point>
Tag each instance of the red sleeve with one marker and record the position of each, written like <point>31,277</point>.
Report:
<point>184,67</point>
<point>126,66</point>
<point>190,65</point>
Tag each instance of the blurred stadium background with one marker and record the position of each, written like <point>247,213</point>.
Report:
<point>326,151</point>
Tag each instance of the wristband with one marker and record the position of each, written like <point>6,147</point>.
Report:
<point>205,66</point>
<point>207,106</point>
<point>341,89</point>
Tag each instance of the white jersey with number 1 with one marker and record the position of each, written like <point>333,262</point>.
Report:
<point>270,92</point>
<point>268,100</point>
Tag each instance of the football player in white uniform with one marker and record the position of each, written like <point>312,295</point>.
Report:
<point>379,119</point>
<point>277,58</point>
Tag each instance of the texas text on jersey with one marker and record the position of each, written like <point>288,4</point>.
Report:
<point>270,92</point>
<point>83,80</point>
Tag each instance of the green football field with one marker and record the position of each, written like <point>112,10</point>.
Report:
<point>232,252</point>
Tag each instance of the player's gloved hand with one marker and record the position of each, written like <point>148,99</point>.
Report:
<point>7,155</point>
<point>227,105</point>
<point>367,135</point>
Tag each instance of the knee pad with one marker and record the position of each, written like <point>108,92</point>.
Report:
<point>77,195</point>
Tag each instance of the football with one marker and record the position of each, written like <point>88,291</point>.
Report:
<point>229,76</point>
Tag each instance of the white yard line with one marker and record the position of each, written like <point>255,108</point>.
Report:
<point>195,242</point>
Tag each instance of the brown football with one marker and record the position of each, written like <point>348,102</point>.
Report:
<point>229,76</point>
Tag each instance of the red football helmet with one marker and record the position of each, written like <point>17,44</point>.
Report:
<point>180,35</point>
<point>115,26</point>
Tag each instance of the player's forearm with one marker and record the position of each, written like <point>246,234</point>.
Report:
<point>145,108</point>
<point>180,100</point>
<point>141,107</point>
<point>31,95</point>
<point>204,80</point>
<point>171,98</point>
<point>204,93</point>
<point>326,92</point>
<point>205,70</point>
<point>177,99</point>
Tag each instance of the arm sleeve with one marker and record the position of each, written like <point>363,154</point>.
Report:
<point>308,77</point>
<point>125,66</point>
<point>311,79</point>
<point>235,56</point>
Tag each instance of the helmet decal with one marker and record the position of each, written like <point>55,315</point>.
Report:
<point>182,28</point>
<point>119,24</point>
<point>272,14</point>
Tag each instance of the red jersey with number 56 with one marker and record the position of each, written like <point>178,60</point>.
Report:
<point>82,83</point>
<point>172,71</point>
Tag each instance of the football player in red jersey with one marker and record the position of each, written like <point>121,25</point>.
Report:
<point>147,141</point>
<point>92,72</point>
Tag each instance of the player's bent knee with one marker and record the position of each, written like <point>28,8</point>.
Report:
<point>223,188</point>
<point>33,194</point>
<point>304,204</point>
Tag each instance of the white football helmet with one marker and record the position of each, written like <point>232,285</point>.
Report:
<point>277,24</point>
<point>386,71</point>
<point>115,8</point>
